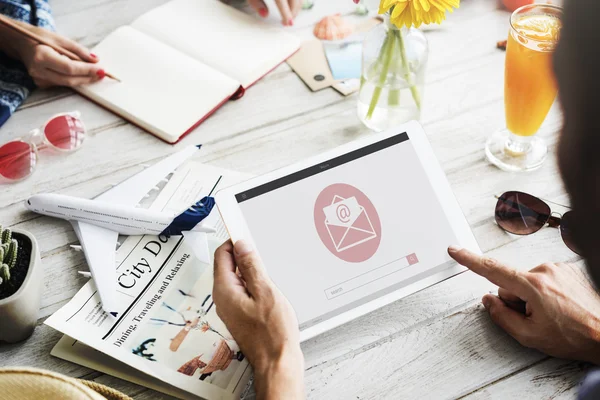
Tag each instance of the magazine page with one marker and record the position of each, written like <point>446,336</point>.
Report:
<point>167,326</point>
<point>75,351</point>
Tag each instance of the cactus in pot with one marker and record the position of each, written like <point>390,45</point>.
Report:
<point>9,249</point>
<point>20,284</point>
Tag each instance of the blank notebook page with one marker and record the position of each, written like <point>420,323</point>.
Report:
<point>237,44</point>
<point>162,90</point>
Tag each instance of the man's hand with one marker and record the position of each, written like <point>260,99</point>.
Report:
<point>552,308</point>
<point>287,8</point>
<point>46,66</point>
<point>261,320</point>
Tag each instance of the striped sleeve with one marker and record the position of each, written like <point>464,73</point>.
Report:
<point>15,83</point>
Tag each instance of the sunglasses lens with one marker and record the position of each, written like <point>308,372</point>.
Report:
<point>521,213</point>
<point>17,160</point>
<point>566,226</point>
<point>65,132</point>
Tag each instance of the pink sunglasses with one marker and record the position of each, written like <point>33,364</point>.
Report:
<point>63,132</point>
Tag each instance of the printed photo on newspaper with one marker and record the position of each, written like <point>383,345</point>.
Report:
<point>167,326</point>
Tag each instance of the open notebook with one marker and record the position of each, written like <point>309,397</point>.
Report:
<point>181,61</point>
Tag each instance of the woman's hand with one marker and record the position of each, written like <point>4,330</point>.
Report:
<point>552,308</point>
<point>46,66</point>
<point>261,320</point>
<point>287,8</point>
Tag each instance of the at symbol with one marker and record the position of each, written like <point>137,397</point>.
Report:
<point>343,213</point>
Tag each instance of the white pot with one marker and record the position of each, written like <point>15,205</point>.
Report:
<point>19,312</point>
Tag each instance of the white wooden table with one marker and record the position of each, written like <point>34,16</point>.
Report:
<point>438,343</point>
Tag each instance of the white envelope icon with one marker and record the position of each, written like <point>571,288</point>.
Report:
<point>348,223</point>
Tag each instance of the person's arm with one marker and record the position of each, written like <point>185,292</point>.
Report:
<point>261,320</point>
<point>281,379</point>
<point>552,308</point>
<point>46,66</point>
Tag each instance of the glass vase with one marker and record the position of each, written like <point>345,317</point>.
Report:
<point>393,76</point>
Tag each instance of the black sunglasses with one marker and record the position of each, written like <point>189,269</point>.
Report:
<point>523,214</point>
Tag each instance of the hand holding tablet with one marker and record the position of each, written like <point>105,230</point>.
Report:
<point>351,230</point>
<point>252,307</point>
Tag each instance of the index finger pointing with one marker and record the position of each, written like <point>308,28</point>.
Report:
<point>494,271</point>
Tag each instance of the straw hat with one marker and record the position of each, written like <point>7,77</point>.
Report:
<point>36,384</point>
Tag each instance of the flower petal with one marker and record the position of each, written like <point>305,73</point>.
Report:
<point>424,4</point>
<point>385,5</point>
<point>438,5</point>
<point>416,12</point>
<point>398,10</point>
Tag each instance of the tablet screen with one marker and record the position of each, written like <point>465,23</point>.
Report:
<point>346,231</point>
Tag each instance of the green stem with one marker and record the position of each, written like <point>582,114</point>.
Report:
<point>363,77</point>
<point>393,93</point>
<point>394,97</point>
<point>388,51</point>
<point>407,75</point>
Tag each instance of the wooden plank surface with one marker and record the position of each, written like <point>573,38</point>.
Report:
<point>564,378</point>
<point>438,343</point>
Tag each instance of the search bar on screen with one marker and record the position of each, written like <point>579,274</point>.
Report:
<point>371,276</point>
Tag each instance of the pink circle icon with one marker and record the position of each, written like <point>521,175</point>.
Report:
<point>347,223</point>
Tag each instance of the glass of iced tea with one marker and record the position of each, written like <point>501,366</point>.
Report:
<point>529,88</point>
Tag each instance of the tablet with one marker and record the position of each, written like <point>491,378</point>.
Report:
<point>351,230</point>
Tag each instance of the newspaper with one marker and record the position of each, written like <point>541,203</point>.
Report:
<point>167,327</point>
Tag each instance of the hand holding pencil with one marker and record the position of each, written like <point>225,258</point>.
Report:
<point>51,59</point>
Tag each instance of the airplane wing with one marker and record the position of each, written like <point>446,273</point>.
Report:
<point>99,246</point>
<point>132,190</point>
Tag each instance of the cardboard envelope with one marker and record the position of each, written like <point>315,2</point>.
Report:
<point>311,65</point>
<point>348,223</point>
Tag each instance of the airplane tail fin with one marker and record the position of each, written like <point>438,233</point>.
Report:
<point>187,220</point>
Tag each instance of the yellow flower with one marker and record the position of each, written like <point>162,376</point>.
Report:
<point>416,12</point>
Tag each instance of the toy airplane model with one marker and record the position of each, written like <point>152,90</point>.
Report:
<point>99,222</point>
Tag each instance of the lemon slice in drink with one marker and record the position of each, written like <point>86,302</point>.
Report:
<point>542,28</point>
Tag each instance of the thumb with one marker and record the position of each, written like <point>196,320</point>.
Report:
<point>250,266</point>
<point>513,322</point>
